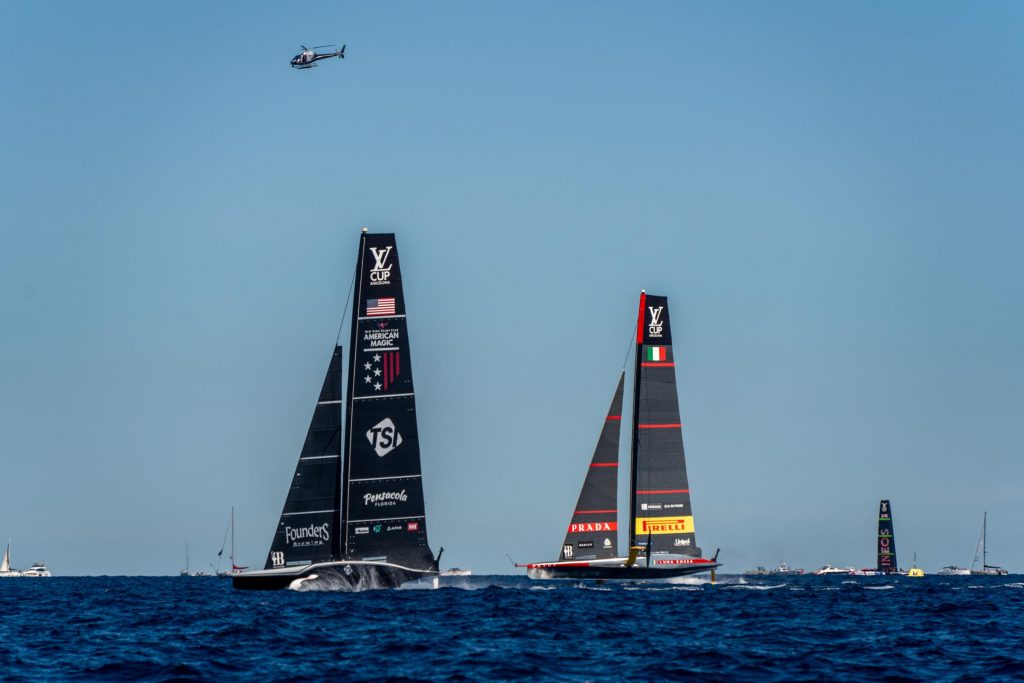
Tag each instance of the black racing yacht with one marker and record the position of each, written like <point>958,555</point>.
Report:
<point>354,515</point>
<point>662,543</point>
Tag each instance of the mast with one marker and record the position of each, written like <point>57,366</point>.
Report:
<point>984,540</point>
<point>593,528</point>
<point>659,489</point>
<point>383,515</point>
<point>232,538</point>
<point>633,431</point>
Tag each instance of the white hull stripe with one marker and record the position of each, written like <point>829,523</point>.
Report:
<point>383,519</point>
<point>381,348</point>
<point>406,476</point>
<point>319,457</point>
<point>364,398</point>
<point>309,512</point>
<point>380,317</point>
<point>328,403</point>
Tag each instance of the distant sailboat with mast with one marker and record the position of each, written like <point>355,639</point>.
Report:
<point>354,517</point>
<point>5,564</point>
<point>887,563</point>
<point>981,553</point>
<point>661,537</point>
<point>231,558</point>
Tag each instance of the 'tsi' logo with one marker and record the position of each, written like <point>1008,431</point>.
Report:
<point>384,437</point>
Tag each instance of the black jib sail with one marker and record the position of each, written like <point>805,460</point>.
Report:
<point>308,530</point>
<point>659,490</point>
<point>383,508</point>
<point>886,540</point>
<point>593,530</point>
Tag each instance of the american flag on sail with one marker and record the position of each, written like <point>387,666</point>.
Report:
<point>378,307</point>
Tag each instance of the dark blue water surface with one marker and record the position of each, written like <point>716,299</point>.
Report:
<point>500,627</point>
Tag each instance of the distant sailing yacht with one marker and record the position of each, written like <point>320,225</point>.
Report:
<point>982,554</point>
<point>354,516</point>
<point>661,518</point>
<point>887,563</point>
<point>234,567</point>
<point>5,565</point>
<point>187,571</point>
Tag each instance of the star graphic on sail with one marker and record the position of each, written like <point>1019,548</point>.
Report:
<point>383,371</point>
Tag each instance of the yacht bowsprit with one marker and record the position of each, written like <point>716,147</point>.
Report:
<point>354,516</point>
<point>661,537</point>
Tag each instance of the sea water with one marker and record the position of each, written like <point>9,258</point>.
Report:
<point>504,627</point>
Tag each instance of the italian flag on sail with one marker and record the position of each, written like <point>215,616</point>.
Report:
<point>657,353</point>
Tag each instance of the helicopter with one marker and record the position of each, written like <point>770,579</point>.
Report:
<point>308,57</point>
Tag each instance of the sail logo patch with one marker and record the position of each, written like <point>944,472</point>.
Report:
<point>380,273</point>
<point>664,525</point>
<point>314,534</point>
<point>382,369</point>
<point>657,354</point>
<point>384,437</point>
<point>385,498</point>
<point>382,306</point>
<point>583,527</point>
<point>381,336</point>
<point>681,542</point>
<point>607,543</point>
<point>654,327</point>
<point>412,526</point>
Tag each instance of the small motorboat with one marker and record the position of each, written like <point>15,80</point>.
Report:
<point>829,570</point>
<point>455,571</point>
<point>953,570</point>
<point>37,569</point>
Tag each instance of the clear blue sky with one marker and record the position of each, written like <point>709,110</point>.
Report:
<point>829,193</point>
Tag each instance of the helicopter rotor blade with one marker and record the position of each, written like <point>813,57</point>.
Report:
<point>319,46</point>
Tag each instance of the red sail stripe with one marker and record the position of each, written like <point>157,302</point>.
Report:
<point>594,512</point>
<point>604,464</point>
<point>657,365</point>
<point>614,417</point>
<point>659,491</point>
<point>661,426</point>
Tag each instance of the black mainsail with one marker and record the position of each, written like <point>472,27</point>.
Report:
<point>659,488</point>
<point>886,540</point>
<point>308,529</point>
<point>354,513</point>
<point>593,529</point>
<point>384,511</point>
<point>660,516</point>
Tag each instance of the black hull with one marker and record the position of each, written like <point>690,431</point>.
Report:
<point>339,576</point>
<point>619,573</point>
